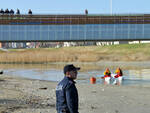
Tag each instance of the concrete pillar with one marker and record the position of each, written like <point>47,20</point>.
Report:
<point>123,42</point>
<point>0,45</point>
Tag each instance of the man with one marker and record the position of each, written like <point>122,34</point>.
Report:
<point>66,92</point>
<point>107,76</point>
<point>118,73</point>
<point>107,73</point>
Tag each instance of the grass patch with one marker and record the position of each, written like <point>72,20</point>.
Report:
<point>122,52</point>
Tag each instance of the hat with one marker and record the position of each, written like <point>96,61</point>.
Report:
<point>70,67</point>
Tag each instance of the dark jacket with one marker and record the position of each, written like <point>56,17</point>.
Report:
<point>66,96</point>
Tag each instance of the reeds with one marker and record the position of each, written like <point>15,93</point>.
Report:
<point>136,52</point>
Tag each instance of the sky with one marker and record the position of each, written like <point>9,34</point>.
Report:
<point>78,6</point>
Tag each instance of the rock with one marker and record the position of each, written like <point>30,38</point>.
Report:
<point>1,72</point>
<point>44,88</point>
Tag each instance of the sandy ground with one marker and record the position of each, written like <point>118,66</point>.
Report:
<point>18,95</point>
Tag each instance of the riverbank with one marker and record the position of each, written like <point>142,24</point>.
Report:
<point>19,95</point>
<point>122,52</point>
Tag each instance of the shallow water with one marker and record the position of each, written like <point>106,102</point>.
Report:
<point>133,73</point>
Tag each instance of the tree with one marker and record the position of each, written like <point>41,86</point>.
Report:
<point>1,11</point>
<point>6,11</point>
<point>86,12</point>
<point>11,11</point>
<point>18,12</point>
<point>30,12</point>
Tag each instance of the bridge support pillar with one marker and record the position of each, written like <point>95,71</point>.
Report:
<point>0,45</point>
<point>123,42</point>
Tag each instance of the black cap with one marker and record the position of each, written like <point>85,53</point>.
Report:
<point>70,67</point>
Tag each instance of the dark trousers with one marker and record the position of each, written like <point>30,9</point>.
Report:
<point>63,111</point>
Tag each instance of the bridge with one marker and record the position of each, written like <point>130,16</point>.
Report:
<point>76,28</point>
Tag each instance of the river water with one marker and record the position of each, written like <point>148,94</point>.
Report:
<point>137,73</point>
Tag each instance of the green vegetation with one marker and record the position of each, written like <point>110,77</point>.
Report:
<point>123,52</point>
